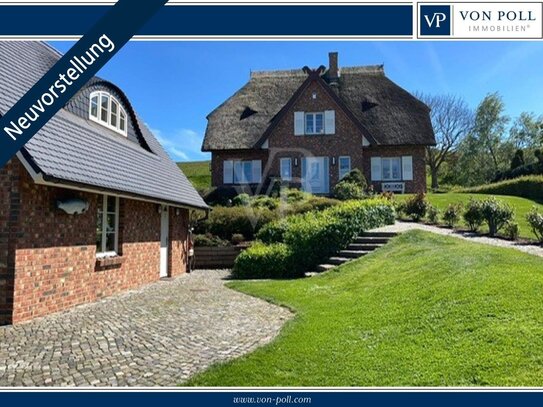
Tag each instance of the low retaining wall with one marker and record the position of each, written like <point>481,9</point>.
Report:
<point>216,257</point>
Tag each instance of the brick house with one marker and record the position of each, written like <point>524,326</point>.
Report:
<point>309,128</point>
<point>92,205</point>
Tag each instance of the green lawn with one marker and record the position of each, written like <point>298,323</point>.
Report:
<point>197,172</point>
<point>521,206</point>
<point>425,310</point>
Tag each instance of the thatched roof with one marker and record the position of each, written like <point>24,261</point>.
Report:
<point>390,114</point>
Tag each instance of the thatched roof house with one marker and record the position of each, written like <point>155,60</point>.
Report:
<point>286,111</point>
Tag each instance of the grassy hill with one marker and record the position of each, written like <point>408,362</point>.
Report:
<point>197,172</point>
<point>424,310</point>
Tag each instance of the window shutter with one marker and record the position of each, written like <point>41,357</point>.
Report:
<point>299,123</point>
<point>330,122</point>
<point>407,168</point>
<point>228,172</point>
<point>257,171</point>
<point>376,168</point>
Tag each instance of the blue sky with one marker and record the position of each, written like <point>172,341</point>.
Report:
<point>174,85</point>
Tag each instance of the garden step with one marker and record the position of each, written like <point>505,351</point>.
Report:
<point>338,260</point>
<point>371,240</point>
<point>354,254</point>
<point>325,267</point>
<point>363,246</point>
<point>379,234</point>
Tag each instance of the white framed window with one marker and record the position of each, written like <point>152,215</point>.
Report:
<point>344,166</point>
<point>391,169</point>
<point>107,226</point>
<point>242,171</point>
<point>286,168</point>
<point>314,123</point>
<point>107,111</point>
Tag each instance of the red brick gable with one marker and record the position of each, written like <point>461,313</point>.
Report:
<point>314,80</point>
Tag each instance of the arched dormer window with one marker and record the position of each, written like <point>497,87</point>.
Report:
<point>107,111</point>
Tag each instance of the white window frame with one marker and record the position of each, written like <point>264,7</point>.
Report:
<point>103,253</point>
<point>314,115</point>
<point>342,157</point>
<point>284,160</point>
<point>399,159</point>
<point>242,179</point>
<point>120,112</point>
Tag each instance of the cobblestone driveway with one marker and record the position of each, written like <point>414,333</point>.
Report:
<point>159,335</point>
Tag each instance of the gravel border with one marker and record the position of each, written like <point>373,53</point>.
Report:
<point>400,227</point>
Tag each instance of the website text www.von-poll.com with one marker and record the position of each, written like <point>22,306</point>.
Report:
<point>276,401</point>
<point>77,66</point>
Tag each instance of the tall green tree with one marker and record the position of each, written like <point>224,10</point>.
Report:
<point>485,150</point>
<point>489,128</point>
<point>527,131</point>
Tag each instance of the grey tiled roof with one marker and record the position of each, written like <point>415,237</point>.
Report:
<point>74,150</point>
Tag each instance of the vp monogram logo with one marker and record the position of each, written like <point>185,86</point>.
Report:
<point>435,20</point>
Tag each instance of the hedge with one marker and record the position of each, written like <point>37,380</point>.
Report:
<point>313,237</point>
<point>224,222</point>
<point>263,261</point>
<point>530,187</point>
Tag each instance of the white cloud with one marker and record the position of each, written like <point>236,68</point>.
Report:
<point>181,145</point>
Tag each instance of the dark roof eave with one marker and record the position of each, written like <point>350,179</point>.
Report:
<point>99,189</point>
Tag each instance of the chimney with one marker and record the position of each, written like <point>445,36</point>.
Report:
<point>333,69</point>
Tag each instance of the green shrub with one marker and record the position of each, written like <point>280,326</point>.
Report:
<point>237,238</point>
<point>319,203</point>
<point>356,177</point>
<point>346,190</point>
<point>263,201</point>
<point>399,207</point>
<point>294,195</point>
<point>264,261</point>
<point>241,200</point>
<point>535,219</point>
<point>496,214</point>
<point>416,206</point>
<point>473,215</point>
<point>208,240</point>
<point>530,187</point>
<point>451,215</point>
<point>274,232</point>
<point>315,236</point>
<point>511,230</point>
<point>224,221</point>
<point>432,214</point>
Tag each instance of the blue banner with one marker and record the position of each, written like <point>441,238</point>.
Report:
<point>281,398</point>
<point>220,20</point>
<point>71,72</point>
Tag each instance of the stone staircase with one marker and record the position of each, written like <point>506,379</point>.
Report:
<point>362,245</point>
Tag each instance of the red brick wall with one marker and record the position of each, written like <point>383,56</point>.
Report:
<point>419,164</point>
<point>9,212</point>
<point>218,157</point>
<point>347,141</point>
<point>55,253</point>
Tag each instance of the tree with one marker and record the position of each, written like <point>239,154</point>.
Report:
<point>518,159</point>
<point>451,119</point>
<point>489,126</point>
<point>527,131</point>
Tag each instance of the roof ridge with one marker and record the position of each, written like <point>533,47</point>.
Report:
<point>278,73</point>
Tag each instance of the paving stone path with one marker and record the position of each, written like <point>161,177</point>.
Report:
<point>155,336</point>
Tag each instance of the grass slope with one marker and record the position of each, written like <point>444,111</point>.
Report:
<point>425,310</point>
<point>197,172</point>
<point>521,206</point>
